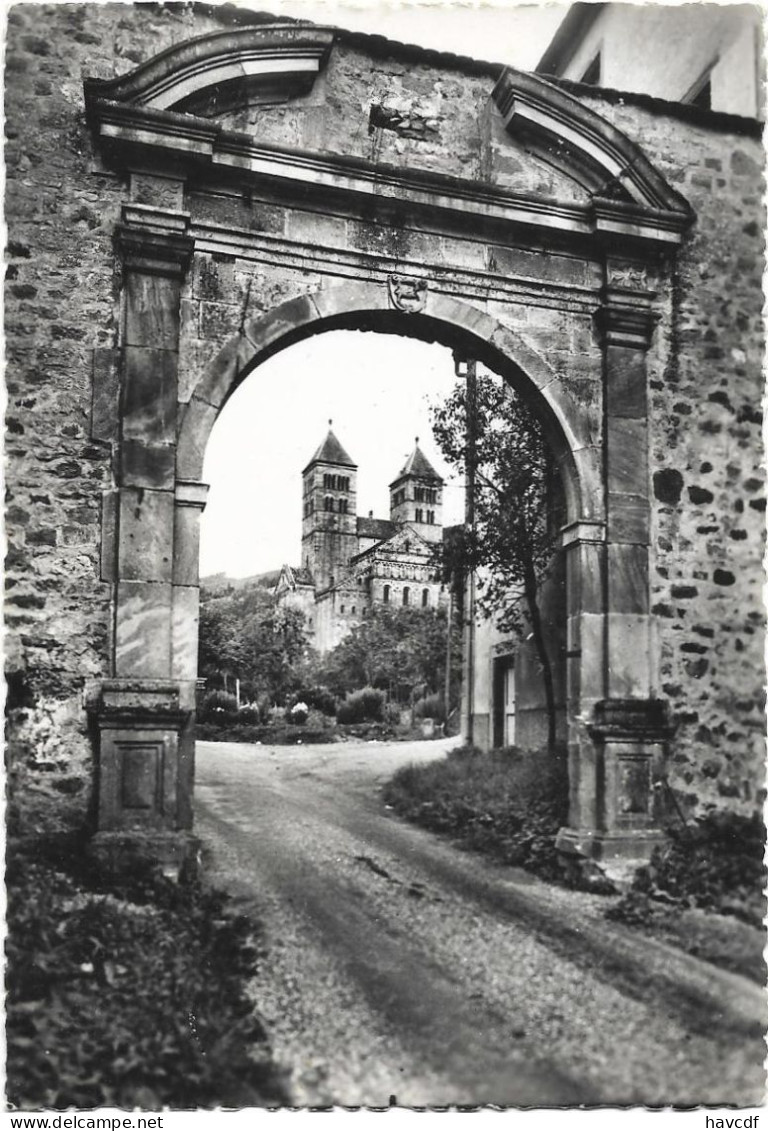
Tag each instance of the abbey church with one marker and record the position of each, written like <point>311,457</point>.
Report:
<point>349,562</point>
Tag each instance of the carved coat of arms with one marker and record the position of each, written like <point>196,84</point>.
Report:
<point>407,294</point>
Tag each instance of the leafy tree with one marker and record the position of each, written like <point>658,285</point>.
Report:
<point>489,435</point>
<point>400,649</point>
<point>244,634</point>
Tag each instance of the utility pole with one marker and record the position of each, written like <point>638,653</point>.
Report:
<point>448,642</point>
<point>467,369</point>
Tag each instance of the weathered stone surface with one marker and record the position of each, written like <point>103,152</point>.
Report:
<point>195,423</point>
<point>149,397</point>
<point>627,570</point>
<point>585,571</point>
<point>106,391</point>
<point>186,545</point>
<point>151,311</point>
<point>186,606</point>
<point>143,629</point>
<point>328,231</point>
<point>147,465</point>
<point>626,384</point>
<point>146,535</point>
<point>628,518</point>
<point>627,456</point>
<point>629,656</point>
<point>137,775</point>
<point>157,190</point>
<point>108,556</point>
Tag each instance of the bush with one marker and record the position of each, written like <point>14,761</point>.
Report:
<point>502,803</point>
<point>249,714</point>
<point>361,706</point>
<point>216,704</point>
<point>715,864</point>
<point>130,994</point>
<point>430,707</point>
<point>317,696</point>
<point>299,713</point>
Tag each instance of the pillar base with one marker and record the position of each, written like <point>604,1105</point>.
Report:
<point>629,739</point>
<point>174,854</point>
<point>618,854</point>
<point>144,779</point>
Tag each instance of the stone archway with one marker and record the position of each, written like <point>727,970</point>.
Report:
<point>483,278</point>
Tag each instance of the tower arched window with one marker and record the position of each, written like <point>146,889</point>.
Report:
<point>406,594</point>
<point>329,502</point>
<point>425,598</point>
<point>385,595</point>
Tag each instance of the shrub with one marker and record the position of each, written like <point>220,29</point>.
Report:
<point>430,707</point>
<point>128,994</point>
<point>216,703</point>
<point>249,714</point>
<point>317,696</point>
<point>715,864</point>
<point>361,706</point>
<point>502,803</point>
<point>299,713</point>
<point>392,714</point>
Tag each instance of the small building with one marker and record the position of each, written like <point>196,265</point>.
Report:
<point>706,55</point>
<point>352,562</point>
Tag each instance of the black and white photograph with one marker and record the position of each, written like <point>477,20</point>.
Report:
<point>384,624</point>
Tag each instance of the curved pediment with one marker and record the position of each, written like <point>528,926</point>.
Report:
<point>211,73</point>
<point>563,132</point>
<point>407,144</point>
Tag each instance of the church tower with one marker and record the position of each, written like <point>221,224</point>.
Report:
<point>329,526</point>
<point>416,497</point>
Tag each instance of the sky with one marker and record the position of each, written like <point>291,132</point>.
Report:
<point>376,388</point>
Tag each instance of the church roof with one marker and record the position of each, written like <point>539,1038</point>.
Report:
<point>378,528</point>
<point>292,576</point>
<point>419,466</point>
<point>331,451</point>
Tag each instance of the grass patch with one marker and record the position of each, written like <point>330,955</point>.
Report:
<point>129,993</point>
<point>701,892</point>
<point>498,802</point>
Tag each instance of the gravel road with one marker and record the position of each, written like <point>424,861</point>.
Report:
<point>404,970</point>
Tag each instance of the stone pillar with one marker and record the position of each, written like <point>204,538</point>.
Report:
<point>144,711</point>
<point>189,505</point>
<point>584,548</point>
<point>623,731</point>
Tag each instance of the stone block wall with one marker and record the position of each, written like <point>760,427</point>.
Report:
<point>706,457</point>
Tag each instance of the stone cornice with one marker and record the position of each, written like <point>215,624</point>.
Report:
<point>627,317</point>
<point>129,134</point>
<point>191,494</point>
<point>154,240</point>
<point>581,531</point>
<point>594,152</point>
<point>279,251</point>
<point>209,72</point>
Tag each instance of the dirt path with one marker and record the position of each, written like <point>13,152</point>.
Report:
<point>401,967</point>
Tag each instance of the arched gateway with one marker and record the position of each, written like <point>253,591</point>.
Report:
<point>277,187</point>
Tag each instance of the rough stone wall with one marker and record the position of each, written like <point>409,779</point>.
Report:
<point>706,391</point>
<point>61,322</point>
